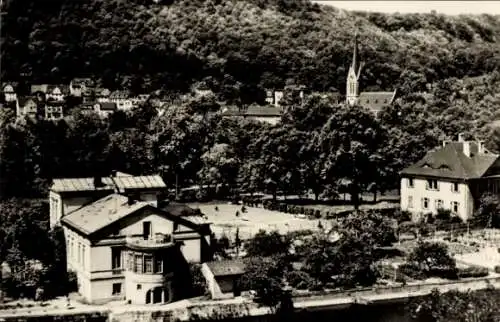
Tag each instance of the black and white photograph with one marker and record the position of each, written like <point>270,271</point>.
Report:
<point>249,161</point>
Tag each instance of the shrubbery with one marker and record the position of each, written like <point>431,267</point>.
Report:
<point>472,271</point>
<point>300,280</point>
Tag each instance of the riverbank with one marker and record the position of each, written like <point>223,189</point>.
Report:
<point>241,307</point>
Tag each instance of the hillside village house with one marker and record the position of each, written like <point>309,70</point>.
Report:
<point>122,100</point>
<point>271,115</point>
<point>9,92</point>
<point>120,244</point>
<point>26,106</point>
<point>453,176</point>
<point>54,111</point>
<point>102,95</point>
<point>78,86</point>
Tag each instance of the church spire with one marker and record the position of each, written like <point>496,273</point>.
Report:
<point>355,58</point>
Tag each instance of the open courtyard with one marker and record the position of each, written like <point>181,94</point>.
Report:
<point>225,222</point>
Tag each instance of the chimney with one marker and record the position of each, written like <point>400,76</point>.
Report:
<point>461,137</point>
<point>466,149</point>
<point>480,147</point>
<point>130,200</point>
<point>113,173</point>
<point>98,182</point>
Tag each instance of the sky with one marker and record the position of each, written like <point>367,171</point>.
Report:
<point>445,7</point>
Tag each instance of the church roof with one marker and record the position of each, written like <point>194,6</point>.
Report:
<point>375,101</point>
<point>451,162</point>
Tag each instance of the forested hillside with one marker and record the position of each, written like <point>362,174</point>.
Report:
<point>445,68</point>
<point>239,46</point>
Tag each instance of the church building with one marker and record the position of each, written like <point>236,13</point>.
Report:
<point>374,101</point>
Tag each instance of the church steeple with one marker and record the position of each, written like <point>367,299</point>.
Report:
<point>352,90</point>
<point>355,59</point>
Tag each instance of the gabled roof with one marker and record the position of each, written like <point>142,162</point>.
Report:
<point>80,184</point>
<point>138,182</point>
<point>107,106</point>
<point>120,95</point>
<point>63,88</point>
<point>375,101</point>
<point>76,82</point>
<point>22,101</point>
<point>102,92</point>
<point>227,267</point>
<point>12,85</point>
<point>101,213</point>
<point>39,88</point>
<point>110,209</point>
<point>254,111</point>
<point>451,162</point>
<point>121,182</point>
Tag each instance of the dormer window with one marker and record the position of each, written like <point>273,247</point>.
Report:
<point>432,184</point>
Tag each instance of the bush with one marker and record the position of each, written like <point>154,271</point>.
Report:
<point>411,271</point>
<point>443,214</point>
<point>300,280</point>
<point>472,271</point>
<point>497,269</point>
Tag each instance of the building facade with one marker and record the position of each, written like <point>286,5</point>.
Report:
<point>120,245</point>
<point>453,177</point>
<point>124,249</point>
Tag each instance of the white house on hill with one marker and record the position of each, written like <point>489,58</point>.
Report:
<point>453,176</point>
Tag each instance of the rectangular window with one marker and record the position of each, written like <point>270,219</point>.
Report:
<point>410,183</point>
<point>79,257</point>
<point>439,204</point>
<point>83,256</point>
<point>138,264</point>
<point>425,203</point>
<point>146,229</point>
<point>432,185</point>
<point>116,258</point>
<point>158,265</point>
<point>148,264</point>
<point>117,288</point>
<point>454,206</point>
<point>410,202</point>
<point>454,187</point>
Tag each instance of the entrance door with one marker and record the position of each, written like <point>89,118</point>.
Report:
<point>157,295</point>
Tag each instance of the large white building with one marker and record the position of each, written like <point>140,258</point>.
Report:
<point>120,244</point>
<point>453,176</point>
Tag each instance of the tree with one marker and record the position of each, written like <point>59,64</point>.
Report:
<point>432,259</point>
<point>488,212</point>
<point>456,306</point>
<point>220,165</point>
<point>350,142</point>
<point>267,244</point>
<point>344,262</point>
<point>264,275</point>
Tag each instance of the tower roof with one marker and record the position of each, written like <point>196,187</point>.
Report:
<point>355,58</point>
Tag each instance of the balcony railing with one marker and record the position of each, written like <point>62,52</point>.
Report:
<point>156,241</point>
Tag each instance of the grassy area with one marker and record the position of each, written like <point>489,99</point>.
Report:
<point>225,221</point>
